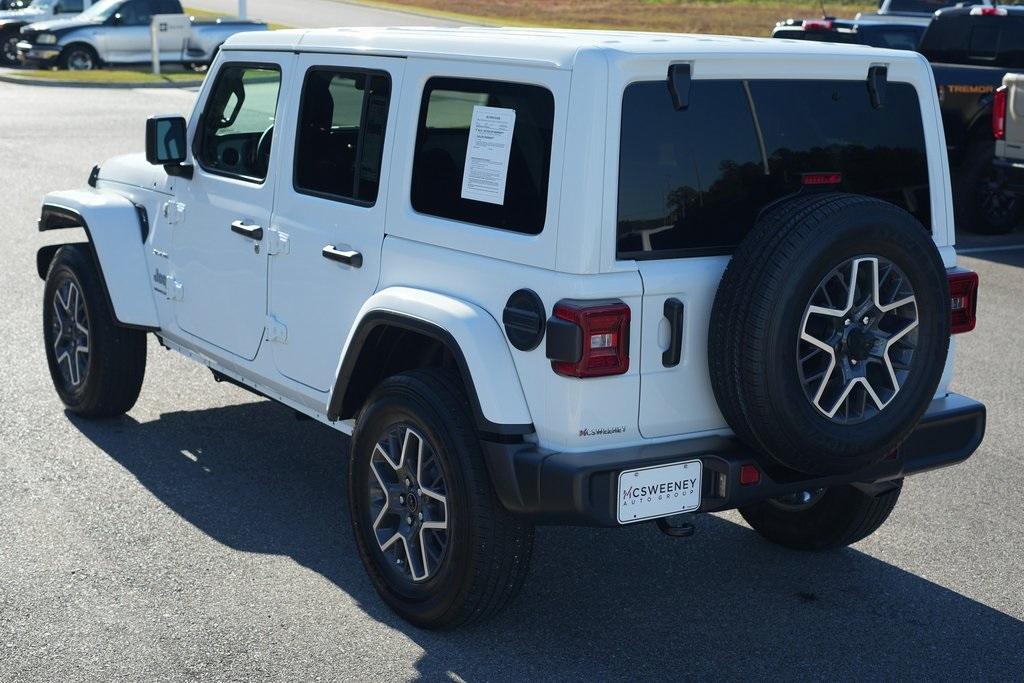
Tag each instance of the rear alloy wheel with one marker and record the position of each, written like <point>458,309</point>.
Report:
<point>983,203</point>
<point>436,542</point>
<point>9,49</point>
<point>857,340</point>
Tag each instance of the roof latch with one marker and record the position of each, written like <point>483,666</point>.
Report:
<point>878,76</point>
<point>679,85</point>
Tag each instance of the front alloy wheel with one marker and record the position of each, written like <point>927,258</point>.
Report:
<point>70,334</point>
<point>9,50</point>
<point>408,499</point>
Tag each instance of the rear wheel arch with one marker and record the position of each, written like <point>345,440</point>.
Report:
<point>387,343</point>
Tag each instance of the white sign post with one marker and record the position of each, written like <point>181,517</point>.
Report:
<point>167,32</point>
<point>242,9</point>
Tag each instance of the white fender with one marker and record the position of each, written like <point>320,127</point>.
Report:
<point>478,336</point>
<point>112,223</point>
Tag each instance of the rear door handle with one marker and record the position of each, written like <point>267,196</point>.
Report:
<point>674,353</point>
<point>253,232</point>
<point>349,258</point>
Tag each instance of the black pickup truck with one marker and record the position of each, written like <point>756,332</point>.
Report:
<point>970,49</point>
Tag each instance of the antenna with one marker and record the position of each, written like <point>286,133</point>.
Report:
<point>823,12</point>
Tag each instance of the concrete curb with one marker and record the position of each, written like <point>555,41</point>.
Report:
<point>47,83</point>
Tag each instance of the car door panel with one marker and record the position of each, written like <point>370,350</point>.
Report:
<point>333,233</point>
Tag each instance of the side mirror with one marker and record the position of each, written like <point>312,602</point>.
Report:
<point>166,143</point>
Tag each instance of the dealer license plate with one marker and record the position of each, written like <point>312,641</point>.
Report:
<point>659,491</point>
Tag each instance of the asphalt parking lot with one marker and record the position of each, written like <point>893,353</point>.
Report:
<point>204,536</point>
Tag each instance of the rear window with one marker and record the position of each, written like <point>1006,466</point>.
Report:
<point>976,40</point>
<point>440,183</point>
<point>692,182</point>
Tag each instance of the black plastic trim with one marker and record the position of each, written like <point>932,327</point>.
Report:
<point>674,313</point>
<point>878,78</point>
<point>679,77</point>
<point>523,319</point>
<point>336,410</point>
<point>564,341</point>
<point>581,488</point>
<point>94,176</point>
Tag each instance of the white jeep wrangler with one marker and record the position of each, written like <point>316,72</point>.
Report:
<point>544,276</point>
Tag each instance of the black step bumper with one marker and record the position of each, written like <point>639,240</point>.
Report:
<point>582,488</point>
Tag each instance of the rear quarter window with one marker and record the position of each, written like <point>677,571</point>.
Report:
<point>693,182</point>
<point>442,140</point>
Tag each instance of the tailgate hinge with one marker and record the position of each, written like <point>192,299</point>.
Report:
<point>276,330</point>
<point>277,242</point>
<point>174,212</point>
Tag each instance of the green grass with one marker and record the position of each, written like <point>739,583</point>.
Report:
<point>122,76</point>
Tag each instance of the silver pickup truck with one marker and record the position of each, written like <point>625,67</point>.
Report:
<point>1008,129</point>
<point>118,32</point>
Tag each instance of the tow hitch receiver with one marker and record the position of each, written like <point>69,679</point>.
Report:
<point>670,527</point>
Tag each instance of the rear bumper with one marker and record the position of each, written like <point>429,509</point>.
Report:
<point>582,488</point>
<point>1011,172</point>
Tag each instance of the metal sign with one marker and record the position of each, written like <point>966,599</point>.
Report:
<point>168,34</point>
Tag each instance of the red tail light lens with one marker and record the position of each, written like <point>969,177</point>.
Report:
<point>604,328</point>
<point>988,12</point>
<point>999,114</point>
<point>963,300</point>
<point>817,24</point>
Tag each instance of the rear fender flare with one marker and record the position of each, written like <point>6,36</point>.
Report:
<point>470,333</point>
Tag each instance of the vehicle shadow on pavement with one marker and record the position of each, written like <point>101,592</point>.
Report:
<point>599,603</point>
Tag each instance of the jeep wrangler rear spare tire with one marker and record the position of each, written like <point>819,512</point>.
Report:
<point>829,332</point>
<point>438,546</point>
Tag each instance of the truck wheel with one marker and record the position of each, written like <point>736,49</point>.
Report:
<point>79,57</point>
<point>9,48</point>
<point>821,519</point>
<point>983,204</point>
<point>438,546</point>
<point>829,332</point>
<point>96,366</point>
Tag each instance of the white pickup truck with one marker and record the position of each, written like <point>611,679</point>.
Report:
<point>543,276</point>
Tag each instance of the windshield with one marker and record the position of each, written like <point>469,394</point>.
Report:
<point>102,10</point>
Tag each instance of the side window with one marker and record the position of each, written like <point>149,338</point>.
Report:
<point>237,128</point>
<point>136,13</point>
<point>341,134</point>
<point>443,186</point>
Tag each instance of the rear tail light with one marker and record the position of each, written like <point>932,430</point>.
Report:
<point>963,300</point>
<point>601,338</point>
<point>999,114</point>
<point>988,12</point>
<point>817,24</point>
<point>749,475</point>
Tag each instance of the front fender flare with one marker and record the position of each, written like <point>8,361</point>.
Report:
<point>117,229</point>
<point>471,334</point>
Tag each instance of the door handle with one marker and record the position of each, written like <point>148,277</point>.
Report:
<point>349,258</point>
<point>253,232</point>
<point>674,353</point>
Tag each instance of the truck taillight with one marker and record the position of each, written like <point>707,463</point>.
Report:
<point>999,114</point>
<point>601,338</point>
<point>963,300</point>
<point>988,12</point>
<point>817,24</point>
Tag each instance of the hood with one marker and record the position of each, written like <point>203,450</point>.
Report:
<point>134,170</point>
<point>55,25</point>
<point>27,15</point>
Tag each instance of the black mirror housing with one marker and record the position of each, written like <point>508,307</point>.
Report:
<point>166,138</point>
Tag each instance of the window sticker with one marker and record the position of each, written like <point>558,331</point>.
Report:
<point>487,153</point>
